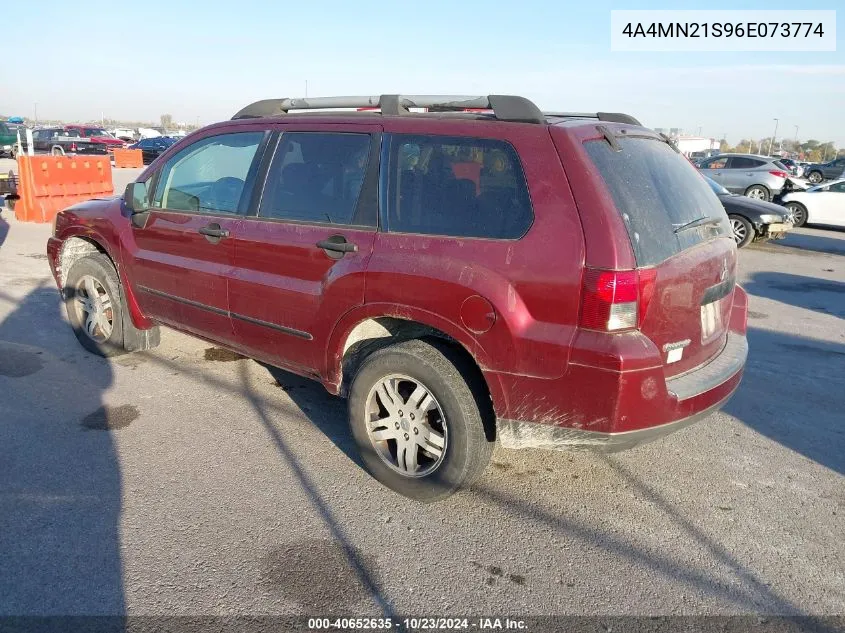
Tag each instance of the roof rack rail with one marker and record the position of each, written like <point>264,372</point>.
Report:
<point>504,107</point>
<point>611,117</point>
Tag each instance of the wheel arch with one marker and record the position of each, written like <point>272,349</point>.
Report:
<point>362,332</point>
<point>78,244</point>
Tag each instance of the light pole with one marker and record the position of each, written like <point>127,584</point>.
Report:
<point>772,141</point>
<point>36,113</point>
<point>795,142</point>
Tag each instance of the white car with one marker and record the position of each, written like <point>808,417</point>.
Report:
<point>822,204</point>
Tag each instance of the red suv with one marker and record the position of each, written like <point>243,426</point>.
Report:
<point>461,277</point>
<point>98,135</point>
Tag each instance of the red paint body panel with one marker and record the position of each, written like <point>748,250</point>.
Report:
<point>514,305</point>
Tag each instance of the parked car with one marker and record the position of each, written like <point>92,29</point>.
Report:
<point>794,168</point>
<point>822,204</point>
<point>152,148</point>
<point>8,138</point>
<point>98,135</point>
<point>752,220</point>
<point>759,177</point>
<point>60,141</point>
<point>830,170</point>
<point>124,134</point>
<point>550,281</point>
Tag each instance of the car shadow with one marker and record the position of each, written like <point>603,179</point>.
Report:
<point>803,241</point>
<point>793,392</point>
<point>60,482</point>
<point>818,294</point>
<point>328,413</point>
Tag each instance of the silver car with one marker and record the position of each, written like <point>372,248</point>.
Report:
<point>759,177</point>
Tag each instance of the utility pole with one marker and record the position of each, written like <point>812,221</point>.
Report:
<point>36,113</point>
<point>772,141</point>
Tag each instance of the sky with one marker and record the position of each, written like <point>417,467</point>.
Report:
<point>202,62</point>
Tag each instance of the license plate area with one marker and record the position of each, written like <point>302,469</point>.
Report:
<point>711,321</point>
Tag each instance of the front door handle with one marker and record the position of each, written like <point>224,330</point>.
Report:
<point>213,232</point>
<point>336,246</point>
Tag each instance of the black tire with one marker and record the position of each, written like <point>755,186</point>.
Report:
<point>451,381</point>
<point>124,336</point>
<point>759,192</point>
<point>57,151</point>
<point>815,177</point>
<point>799,213</point>
<point>743,230</point>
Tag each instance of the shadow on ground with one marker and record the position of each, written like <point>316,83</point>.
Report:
<point>813,293</point>
<point>60,484</point>
<point>811,241</point>
<point>793,392</point>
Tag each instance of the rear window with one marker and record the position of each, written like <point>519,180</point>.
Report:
<point>657,191</point>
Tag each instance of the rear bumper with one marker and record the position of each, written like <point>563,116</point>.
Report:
<point>608,409</point>
<point>515,434</point>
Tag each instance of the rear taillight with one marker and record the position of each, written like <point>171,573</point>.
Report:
<point>779,173</point>
<point>616,300</point>
<point>73,147</point>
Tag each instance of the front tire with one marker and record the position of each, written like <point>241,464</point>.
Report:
<point>758,192</point>
<point>815,177</point>
<point>799,213</point>
<point>743,231</point>
<point>97,312</point>
<point>415,415</point>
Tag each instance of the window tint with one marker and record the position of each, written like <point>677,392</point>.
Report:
<point>316,177</point>
<point>209,175</point>
<point>839,187</point>
<point>657,191</point>
<point>457,186</point>
<point>743,162</point>
<point>718,163</point>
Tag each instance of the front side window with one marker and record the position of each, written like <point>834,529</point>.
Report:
<point>457,186</point>
<point>316,177</point>
<point>838,187</point>
<point>208,176</point>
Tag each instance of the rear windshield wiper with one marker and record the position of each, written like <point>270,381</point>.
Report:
<point>703,221</point>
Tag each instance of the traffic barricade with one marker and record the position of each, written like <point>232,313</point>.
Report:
<point>128,158</point>
<point>48,184</point>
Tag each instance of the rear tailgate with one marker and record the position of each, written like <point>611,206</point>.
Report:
<point>677,227</point>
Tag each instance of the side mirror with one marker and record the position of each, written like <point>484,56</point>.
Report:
<point>135,197</point>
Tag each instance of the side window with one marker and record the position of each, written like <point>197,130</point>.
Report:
<point>716,163</point>
<point>208,176</point>
<point>743,162</point>
<point>316,177</point>
<point>457,186</point>
<point>839,187</point>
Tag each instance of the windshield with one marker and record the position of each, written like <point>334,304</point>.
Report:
<point>718,189</point>
<point>95,131</point>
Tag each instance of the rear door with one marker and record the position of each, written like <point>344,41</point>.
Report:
<point>659,195</point>
<point>184,254</point>
<point>301,255</point>
<point>829,205</point>
<point>742,173</point>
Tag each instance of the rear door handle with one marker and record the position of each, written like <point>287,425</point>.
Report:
<point>338,244</point>
<point>214,230</point>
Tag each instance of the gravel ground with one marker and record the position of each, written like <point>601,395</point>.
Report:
<point>189,481</point>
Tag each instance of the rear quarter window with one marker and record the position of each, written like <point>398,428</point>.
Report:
<point>657,191</point>
<point>457,187</point>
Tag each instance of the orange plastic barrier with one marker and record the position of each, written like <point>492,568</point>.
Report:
<point>128,158</point>
<point>48,184</point>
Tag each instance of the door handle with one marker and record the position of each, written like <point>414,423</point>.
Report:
<point>337,244</point>
<point>214,231</point>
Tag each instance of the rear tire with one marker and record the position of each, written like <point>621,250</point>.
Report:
<point>425,447</point>
<point>96,309</point>
<point>799,213</point>
<point>758,192</point>
<point>743,231</point>
<point>815,177</point>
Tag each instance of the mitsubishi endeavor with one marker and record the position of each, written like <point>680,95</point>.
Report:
<point>477,272</point>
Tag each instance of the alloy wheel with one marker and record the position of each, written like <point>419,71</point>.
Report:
<point>740,231</point>
<point>406,425</point>
<point>94,308</point>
